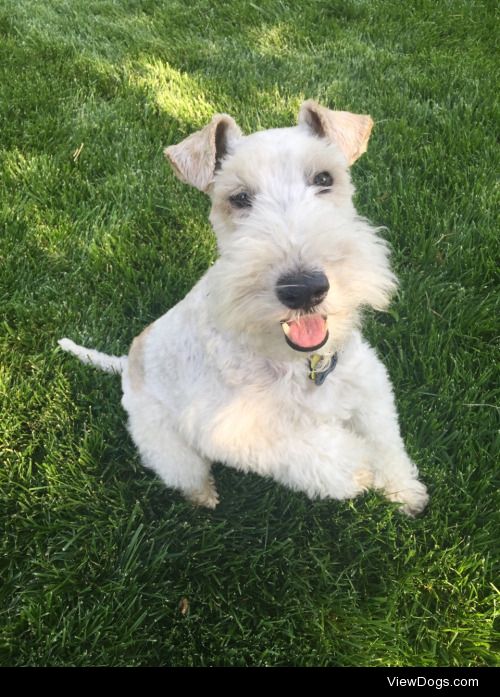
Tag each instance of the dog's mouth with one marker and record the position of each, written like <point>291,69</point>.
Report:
<point>307,333</point>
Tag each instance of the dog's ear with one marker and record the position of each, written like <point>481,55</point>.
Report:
<point>197,157</point>
<point>349,131</point>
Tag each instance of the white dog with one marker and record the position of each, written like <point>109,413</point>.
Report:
<point>262,365</point>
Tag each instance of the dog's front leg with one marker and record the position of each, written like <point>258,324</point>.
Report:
<point>376,420</point>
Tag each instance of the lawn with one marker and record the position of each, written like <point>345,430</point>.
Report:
<point>100,564</point>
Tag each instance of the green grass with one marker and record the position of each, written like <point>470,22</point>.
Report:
<point>96,556</point>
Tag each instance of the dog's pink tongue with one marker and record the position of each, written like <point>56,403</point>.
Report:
<point>309,330</point>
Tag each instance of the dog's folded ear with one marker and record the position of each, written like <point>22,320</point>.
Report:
<point>350,132</point>
<point>196,159</point>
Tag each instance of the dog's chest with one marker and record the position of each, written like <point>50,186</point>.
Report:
<point>245,421</point>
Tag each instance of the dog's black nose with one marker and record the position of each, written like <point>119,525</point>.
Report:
<point>302,290</point>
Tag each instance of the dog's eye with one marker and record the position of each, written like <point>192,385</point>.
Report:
<point>323,179</point>
<point>241,200</point>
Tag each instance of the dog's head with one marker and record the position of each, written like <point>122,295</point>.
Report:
<point>296,261</point>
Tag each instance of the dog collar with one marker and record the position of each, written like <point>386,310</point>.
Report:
<point>321,366</point>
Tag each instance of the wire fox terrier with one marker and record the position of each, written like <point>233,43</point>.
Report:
<point>262,366</point>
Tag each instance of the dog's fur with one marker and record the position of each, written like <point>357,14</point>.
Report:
<point>215,379</point>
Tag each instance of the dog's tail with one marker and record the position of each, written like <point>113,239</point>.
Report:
<point>110,364</point>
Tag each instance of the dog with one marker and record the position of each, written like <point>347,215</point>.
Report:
<point>262,365</point>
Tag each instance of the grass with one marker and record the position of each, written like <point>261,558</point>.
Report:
<point>101,565</point>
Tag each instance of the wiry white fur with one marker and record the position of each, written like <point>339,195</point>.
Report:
<point>214,380</point>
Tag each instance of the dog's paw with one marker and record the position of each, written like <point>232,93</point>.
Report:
<point>412,495</point>
<point>207,497</point>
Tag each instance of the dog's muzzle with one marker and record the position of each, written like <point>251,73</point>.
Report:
<point>304,290</point>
